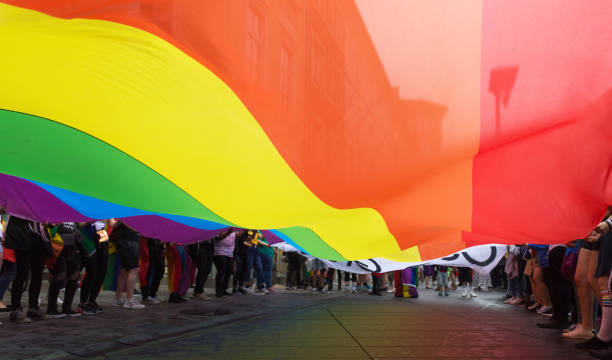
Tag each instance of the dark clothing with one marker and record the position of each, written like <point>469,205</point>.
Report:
<point>29,259</point>
<point>604,260</point>
<point>18,234</point>
<point>465,275</point>
<point>241,260</point>
<point>202,254</point>
<point>156,269</point>
<point>330,278</point>
<point>65,270</point>
<point>558,285</point>
<point>293,272</point>
<point>224,271</point>
<point>127,242</point>
<point>95,268</point>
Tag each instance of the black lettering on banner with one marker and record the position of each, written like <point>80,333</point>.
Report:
<point>451,258</point>
<point>481,263</point>
<point>363,266</point>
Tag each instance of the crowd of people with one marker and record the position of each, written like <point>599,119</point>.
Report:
<point>67,250</point>
<point>567,284</point>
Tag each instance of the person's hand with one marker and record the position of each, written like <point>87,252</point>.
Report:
<point>602,228</point>
<point>593,236</point>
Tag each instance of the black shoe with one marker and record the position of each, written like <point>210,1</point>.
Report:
<point>594,344</point>
<point>227,293</point>
<point>35,314</point>
<point>219,295</point>
<point>243,291</point>
<point>86,309</point>
<point>235,291</point>
<point>174,299</point>
<point>553,325</point>
<point>94,305</point>
<point>54,314</point>
<point>181,299</point>
<point>71,313</point>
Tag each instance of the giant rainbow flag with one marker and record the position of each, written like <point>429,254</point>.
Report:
<point>350,129</point>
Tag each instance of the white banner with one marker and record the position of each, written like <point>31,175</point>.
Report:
<point>481,258</point>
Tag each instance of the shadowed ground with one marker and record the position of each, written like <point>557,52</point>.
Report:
<point>296,325</point>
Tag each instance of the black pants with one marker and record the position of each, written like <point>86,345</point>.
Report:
<point>202,255</point>
<point>95,271</point>
<point>224,271</point>
<point>330,278</point>
<point>348,276</point>
<point>293,271</point>
<point>157,267</point>
<point>376,283</point>
<point>242,266</point>
<point>30,263</point>
<point>559,287</point>
<point>65,271</point>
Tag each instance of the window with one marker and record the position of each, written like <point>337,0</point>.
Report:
<point>254,44</point>
<point>286,69</point>
<point>317,58</point>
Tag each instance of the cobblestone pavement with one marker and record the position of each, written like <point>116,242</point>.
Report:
<point>295,325</point>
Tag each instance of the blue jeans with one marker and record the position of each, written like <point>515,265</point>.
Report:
<point>443,280</point>
<point>516,287</point>
<point>267,265</point>
<point>9,270</point>
<point>255,264</point>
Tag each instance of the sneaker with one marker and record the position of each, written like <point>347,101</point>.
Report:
<point>152,300</point>
<point>54,314</point>
<point>324,291</point>
<point>440,293</point>
<point>391,290</point>
<point>266,291</point>
<point>118,303</point>
<point>446,293</point>
<point>85,309</point>
<point>314,290</point>
<point>243,291</point>
<point>235,291</point>
<point>94,305</point>
<point>473,294</point>
<point>71,313</point>
<point>133,304</point>
<point>339,287</point>
<point>19,317</point>
<point>465,293</point>
<point>259,292</point>
<point>35,314</point>
<point>289,287</point>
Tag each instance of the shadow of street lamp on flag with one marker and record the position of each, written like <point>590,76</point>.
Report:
<point>501,84</point>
